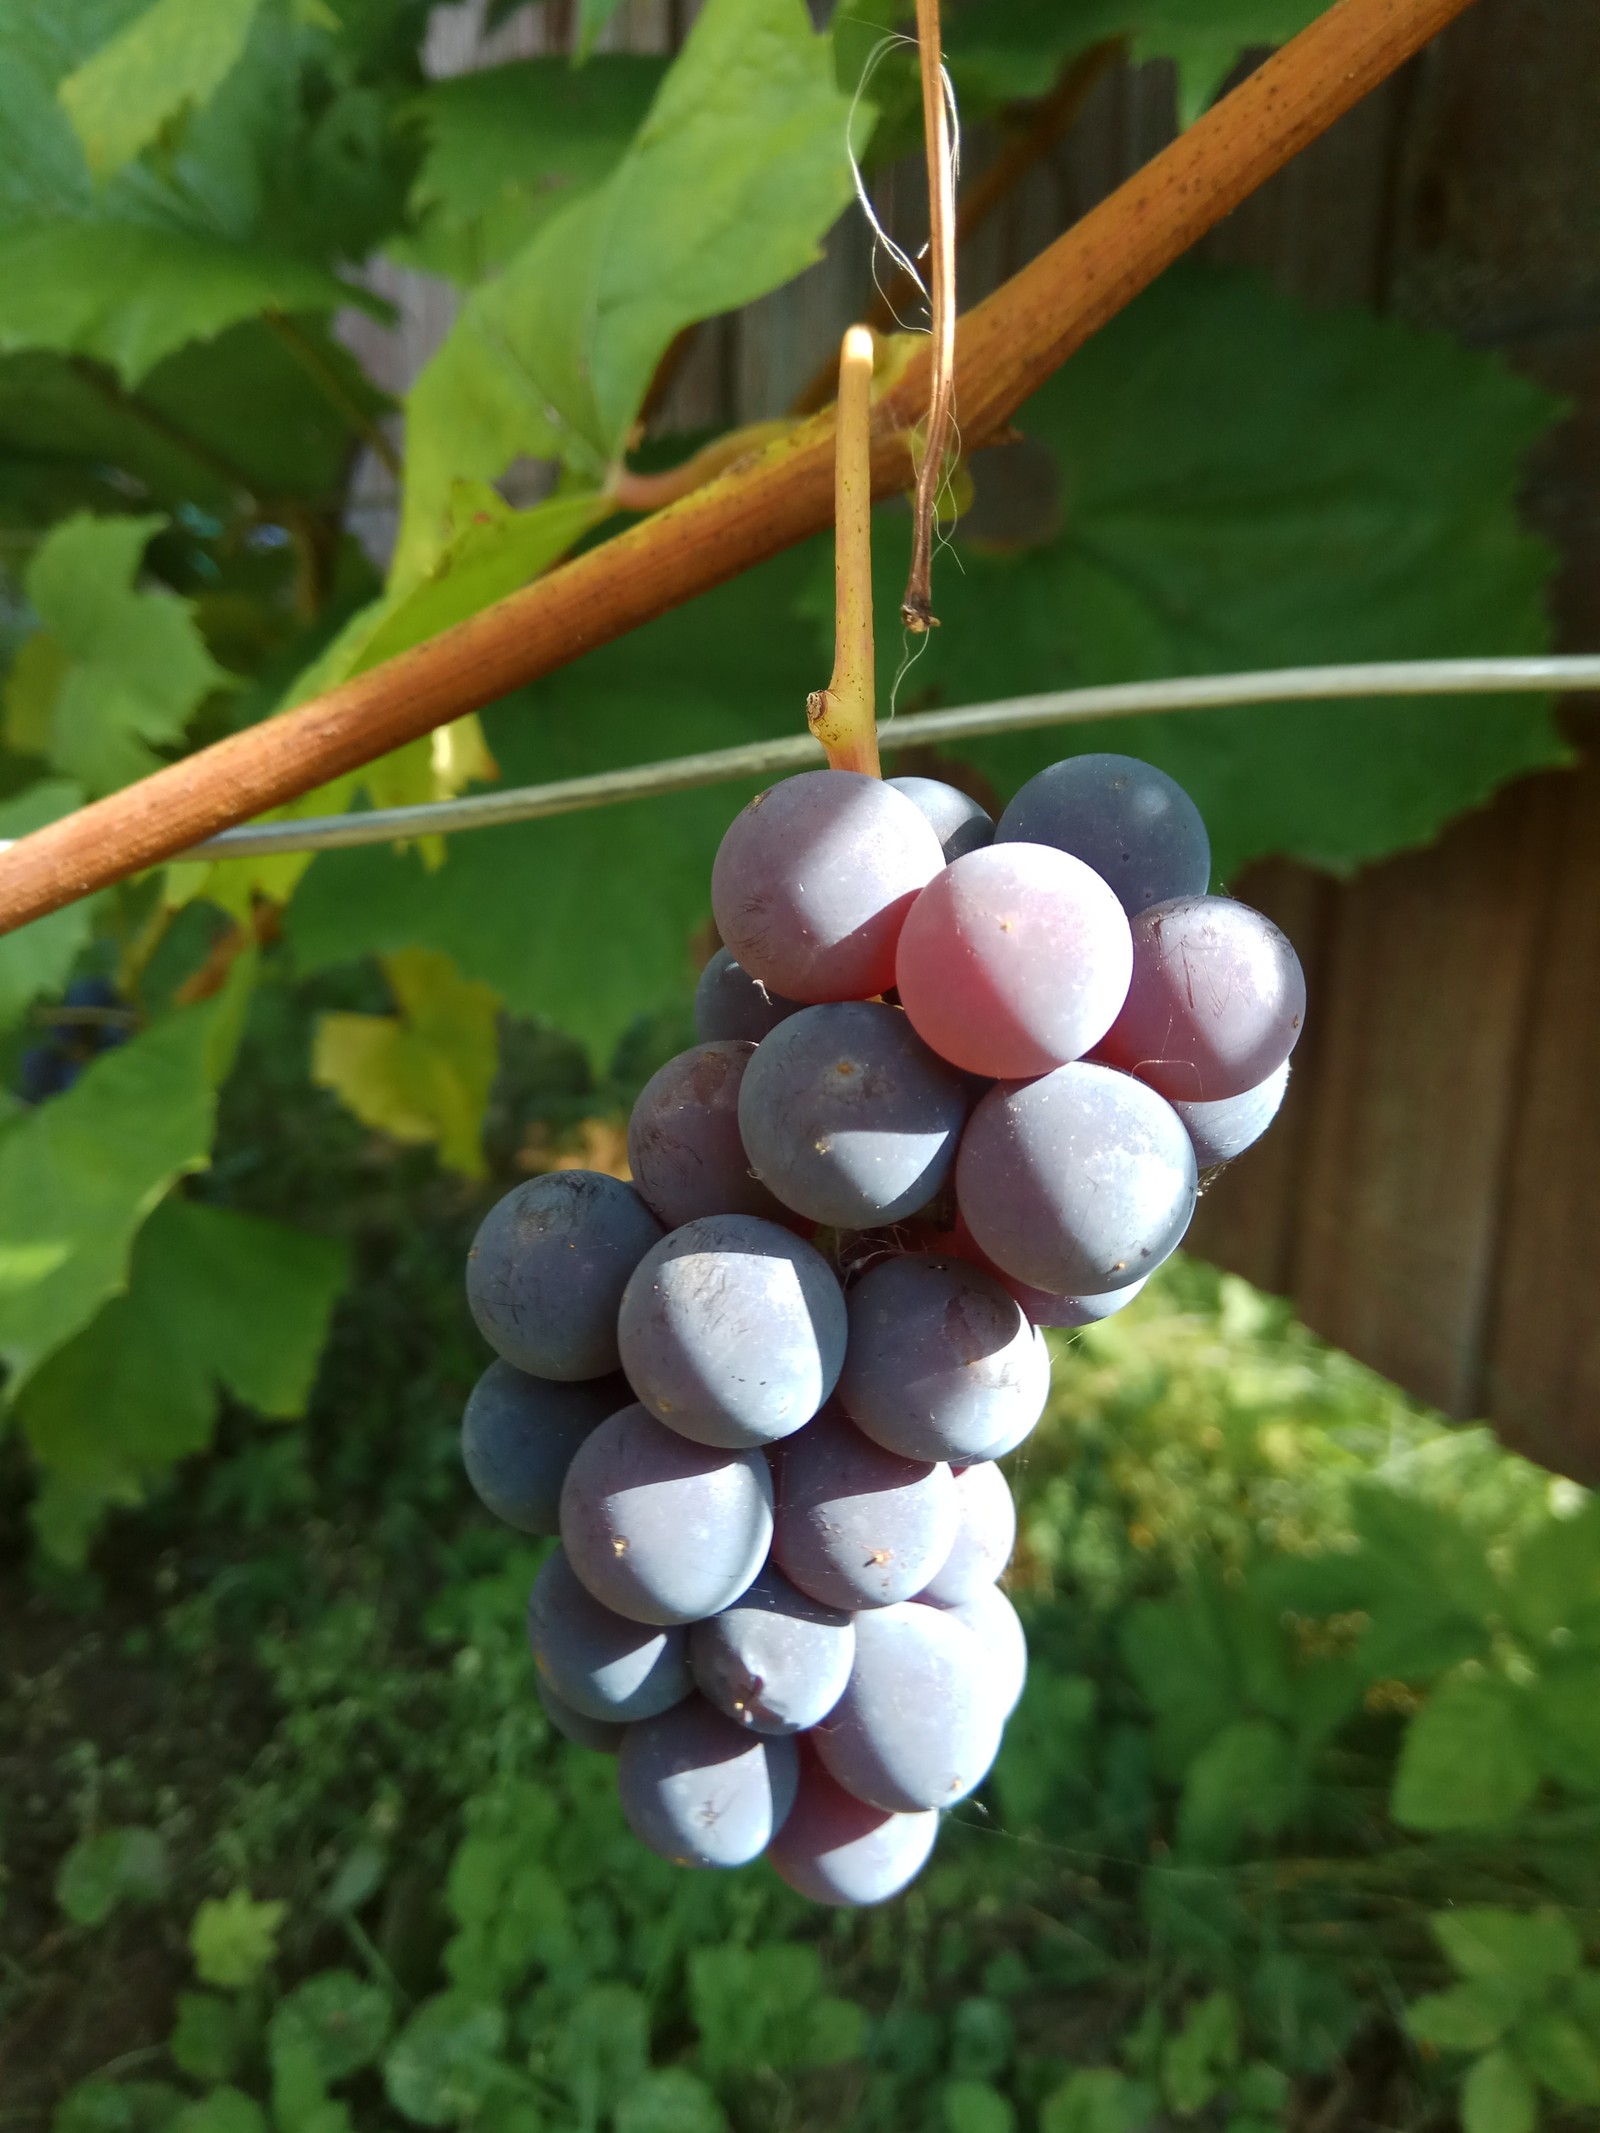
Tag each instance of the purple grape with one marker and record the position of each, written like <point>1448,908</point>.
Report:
<point>1226,1128</point>
<point>813,880</point>
<point>600,1734</point>
<point>992,1619</point>
<point>659,1529</point>
<point>956,819</point>
<point>941,1362</point>
<point>518,1436</point>
<point>601,1664</point>
<point>1218,1000</point>
<point>775,1661</point>
<point>1072,1312</point>
<point>857,1526</point>
<point>919,1723</point>
<point>730,1004</point>
<point>834,1848</point>
<point>702,1791</point>
<point>683,1139</point>
<point>1078,1183</point>
<point>732,1331</point>
<point>1133,824</point>
<point>547,1269</point>
<point>984,1539</point>
<point>1014,960</point>
<point>848,1117</point>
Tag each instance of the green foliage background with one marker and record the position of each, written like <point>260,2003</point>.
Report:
<point>1232,1719</point>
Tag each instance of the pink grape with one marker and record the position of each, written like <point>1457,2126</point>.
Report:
<point>813,880</point>
<point>1014,960</point>
<point>1217,1002</point>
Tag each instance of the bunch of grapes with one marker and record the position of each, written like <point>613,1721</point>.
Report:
<point>956,1081</point>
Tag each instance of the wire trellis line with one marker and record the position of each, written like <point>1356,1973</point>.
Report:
<point>1278,685</point>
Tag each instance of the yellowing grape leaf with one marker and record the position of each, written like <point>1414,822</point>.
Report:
<point>115,669</point>
<point>423,1074</point>
<point>730,183</point>
<point>173,55</point>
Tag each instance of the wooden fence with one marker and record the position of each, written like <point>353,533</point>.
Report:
<point>1431,1196</point>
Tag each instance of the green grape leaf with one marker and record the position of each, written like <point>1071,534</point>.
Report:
<point>39,958</point>
<point>115,1867</point>
<point>214,1299</point>
<point>1498,2097</point>
<point>1246,482</point>
<point>80,1173</point>
<point>753,2007</point>
<point>340,2022</point>
<point>444,2063</point>
<point>602,2049</point>
<point>1566,2061</point>
<point>1097,2099</point>
<point>1564,1720</point>
<point>114,669</point>
<point>1427,1586</point>
<point>1245,1783</point>
<point>508,145</point>
<point>1525,1948</point>
<point>425,1073</point>
<point>233,1938</point>
<point>1465,1762</point>
<point>975,2107</point>
<point>208,2038</point>
<point>670,2100</point>
<point>127,296</point>
<point>173,55</point>
<point>738,170</point>
<point>1466,2018</point>
<point>1554,1585</point>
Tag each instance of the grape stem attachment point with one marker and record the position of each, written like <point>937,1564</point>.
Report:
<point>916,608</point>
<point>843,715</point>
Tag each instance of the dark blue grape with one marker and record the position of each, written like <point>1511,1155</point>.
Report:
<point>919,1724</point>
<point>598,1733</point>
<point>834,1848</point>
<point>984,1539</point>
<point>547,1269</point>
<point>683,1140</point>
<point>659,1529</point>
<point>941,1362</point>
<point>1077,1183</point>
<point>813,880</point>
<point>956,819</point>
<point>992,1619</point>
<point>702,1791</point>
<point>1226,1128</point>
<point>857,1526</point>
<point>1217,1001</point>
<point>1133,824</point>
<point>775,1661</point>
<point>732,1331</point>
<point>605,1666</point>
<point>518,1436</point>
<point>729,1004</point>
<point>848,1117</point>
<point>46,1070</point>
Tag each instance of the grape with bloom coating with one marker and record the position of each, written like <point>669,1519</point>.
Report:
<point>1133,824</point>
<point>700,1790</point>
<point>835,1849</point>
<point>857,1526</point>
<point>813,880</point>
<point>730,1004</point>
<point>518,1436</point>
<point>848,1117</point>
<point>732,1331</point>
<point>1014,960</point>
<point>602,1735</point>
<point>659,1529</point>
<point>1077,1183</point>
<point>941,1362</point>
<point>956,819</point>
<point>919,1723</point>
<point>546,1271</point>
<point>1226,1128</point>
<point>683,1139</point>
<point>775,1661</point>
<point>984,1539</point>
<point>1039,1306</point>
<point>993,1621</point>
<point>605,1666</point>
<point>1217,1002</point>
